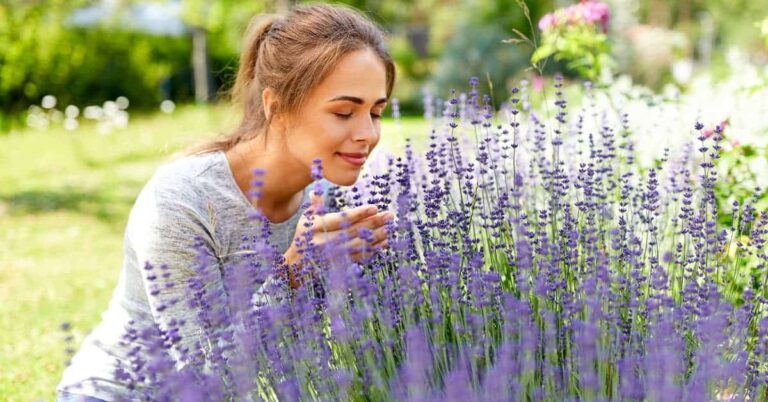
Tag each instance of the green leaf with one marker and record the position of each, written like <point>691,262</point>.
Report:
<point>520,34</point>
<point>514,41</point>
<point>544,51</point>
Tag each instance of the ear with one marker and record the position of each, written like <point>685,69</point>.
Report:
<point>270,101</point>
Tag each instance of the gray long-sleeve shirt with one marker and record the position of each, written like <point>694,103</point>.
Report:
<point>195,196</point>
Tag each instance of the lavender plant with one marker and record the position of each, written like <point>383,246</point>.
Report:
<point>532,259</point>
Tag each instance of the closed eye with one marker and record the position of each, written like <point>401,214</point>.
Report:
<point>347,116</point>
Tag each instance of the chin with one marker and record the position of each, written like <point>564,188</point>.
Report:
<point>342,179</point>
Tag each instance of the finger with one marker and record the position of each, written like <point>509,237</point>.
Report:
<point>335,221</point>
<point>372,223</point>
<point>359,243</point>
<point>338,238</point>
<point>369,251</point>
<point>380,234</point>
<point>381,245</point>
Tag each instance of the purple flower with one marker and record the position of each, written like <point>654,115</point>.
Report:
<point>532,259</point>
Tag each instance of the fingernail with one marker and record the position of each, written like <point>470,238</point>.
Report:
<point>371,210</point>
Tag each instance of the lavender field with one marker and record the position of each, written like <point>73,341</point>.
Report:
<point>536,255</point>
<point>576,243</point>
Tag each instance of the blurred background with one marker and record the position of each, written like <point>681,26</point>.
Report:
<point>94,95</point>
<point>87,52</point>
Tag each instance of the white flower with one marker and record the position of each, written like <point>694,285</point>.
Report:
<point>682,70</point>
<point>93,112</point>
<point>167,106</point>
<point>72,111</point>
<point>49,102</point>
<point>122,102</point>
<point>110,107</point>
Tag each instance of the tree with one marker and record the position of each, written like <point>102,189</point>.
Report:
<point>205,17</point>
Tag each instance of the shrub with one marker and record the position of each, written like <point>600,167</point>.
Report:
<point>577,35</point>
<point>42,54</point>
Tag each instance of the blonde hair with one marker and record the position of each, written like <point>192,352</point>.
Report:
<point>291,55</point>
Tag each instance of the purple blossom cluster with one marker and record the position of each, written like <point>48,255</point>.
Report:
<point>585,12</point>
<point>532,259</point>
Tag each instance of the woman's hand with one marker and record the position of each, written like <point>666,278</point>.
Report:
<point>330,227</point>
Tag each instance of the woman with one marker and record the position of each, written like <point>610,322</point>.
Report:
<point>313,85</point>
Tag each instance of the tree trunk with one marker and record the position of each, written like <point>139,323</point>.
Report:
<point>201,65</point>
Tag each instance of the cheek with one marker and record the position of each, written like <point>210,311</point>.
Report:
<point>331,135</point>
<point>315,134</point>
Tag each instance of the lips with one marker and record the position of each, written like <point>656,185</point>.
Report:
<point>356,159</point>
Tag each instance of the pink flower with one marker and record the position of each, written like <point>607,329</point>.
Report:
<point>595,12</point>
<point>585,12</point>
<point>708,132</point>
<point>547,21</point>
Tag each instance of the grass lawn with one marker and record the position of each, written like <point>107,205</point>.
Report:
<point>64,202</point>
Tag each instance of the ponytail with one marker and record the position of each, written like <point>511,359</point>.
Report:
<point>257,32</point>
<point>246,90</point>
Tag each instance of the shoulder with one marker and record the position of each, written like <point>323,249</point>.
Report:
<point>183,176</point>
<point>175,193</point>
<point>173,218</point>
<point>190,182</point>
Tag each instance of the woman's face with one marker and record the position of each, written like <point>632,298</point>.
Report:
<point>340,119</point>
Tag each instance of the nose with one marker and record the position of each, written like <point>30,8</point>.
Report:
<point>367,130</point>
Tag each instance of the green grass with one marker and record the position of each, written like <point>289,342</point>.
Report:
<point>64,201</point>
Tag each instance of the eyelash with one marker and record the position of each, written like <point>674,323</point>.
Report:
<point>348,116</point>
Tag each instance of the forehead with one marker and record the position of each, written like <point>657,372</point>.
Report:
<point>360,73</point>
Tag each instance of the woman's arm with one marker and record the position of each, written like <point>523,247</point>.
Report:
<point>174,248</point>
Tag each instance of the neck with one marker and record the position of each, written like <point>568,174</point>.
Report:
<point>284,181</point>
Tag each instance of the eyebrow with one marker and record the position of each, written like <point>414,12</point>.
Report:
<point>357,100</point>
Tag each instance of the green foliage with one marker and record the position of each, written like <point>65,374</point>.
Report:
<point>415,40</point>
<point>476,44</point>
<point>742,170</point>
<point>764,31</point>
<point>224,20</point>
<point>733,19</point>
<point>479,49</point>
<point>43,54</point>
<point>119,63</point>
<point>27,45</point>
<point>584,49</point>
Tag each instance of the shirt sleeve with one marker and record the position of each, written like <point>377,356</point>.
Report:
<point>177,257</point>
